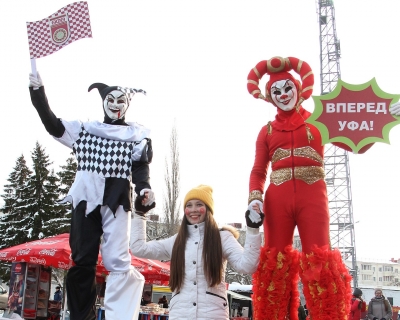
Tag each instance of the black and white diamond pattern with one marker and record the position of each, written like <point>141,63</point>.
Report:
<point>106,157</point>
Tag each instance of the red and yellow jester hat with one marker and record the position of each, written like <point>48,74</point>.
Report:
<point>277,68</point>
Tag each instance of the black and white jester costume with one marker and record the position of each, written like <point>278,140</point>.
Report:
<point>110,156</point>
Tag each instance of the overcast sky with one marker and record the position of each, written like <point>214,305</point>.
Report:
<point>192,58</point>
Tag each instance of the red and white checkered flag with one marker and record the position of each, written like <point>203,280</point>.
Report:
<point>68,24</point>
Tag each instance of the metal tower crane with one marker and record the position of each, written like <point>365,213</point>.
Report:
<point>337,167</point>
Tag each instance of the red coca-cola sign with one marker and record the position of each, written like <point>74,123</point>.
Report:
<point>18,268</point>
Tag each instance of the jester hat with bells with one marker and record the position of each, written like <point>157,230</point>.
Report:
<point>278,69</point>
<point>105,89</point>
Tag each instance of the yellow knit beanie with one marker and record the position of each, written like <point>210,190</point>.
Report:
<point>203,193</point>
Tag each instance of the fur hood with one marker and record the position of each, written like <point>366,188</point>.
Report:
<point>232,230</point>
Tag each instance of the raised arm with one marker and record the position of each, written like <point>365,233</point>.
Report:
<point>243,259</point>
<point>52,124</point>
<point>156,249</point>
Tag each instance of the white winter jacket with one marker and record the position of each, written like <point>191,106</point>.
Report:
<point>196,300</point>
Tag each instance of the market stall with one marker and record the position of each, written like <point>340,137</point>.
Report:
<point>240,306</point>
<point>29,291</point>
<point>55,252</point>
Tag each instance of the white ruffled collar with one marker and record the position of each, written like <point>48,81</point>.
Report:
<point>132,132</point>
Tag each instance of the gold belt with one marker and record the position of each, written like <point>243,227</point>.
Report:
<point>309,174</point>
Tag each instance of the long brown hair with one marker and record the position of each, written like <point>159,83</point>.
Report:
<point>212,254</point>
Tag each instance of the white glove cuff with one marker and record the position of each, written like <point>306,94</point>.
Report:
<point>151,197</point>
<point>254,215</point>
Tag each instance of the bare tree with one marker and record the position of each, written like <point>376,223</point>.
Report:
<point>172,183</point>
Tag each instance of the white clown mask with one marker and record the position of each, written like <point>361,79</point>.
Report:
<point>284,94</point>
<point>115,104</point>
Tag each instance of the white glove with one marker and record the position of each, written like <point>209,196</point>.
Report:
<point>35,82</point>
<point>150,196</point>
<point>254,215</point>
<point>395,109</point>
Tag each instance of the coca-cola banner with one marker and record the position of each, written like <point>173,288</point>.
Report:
<point>355,115</point>
<point>17,283</point>
<point>56,252</point>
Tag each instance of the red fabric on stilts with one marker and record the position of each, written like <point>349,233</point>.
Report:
<point>275,284</point>
<point>326,284</point>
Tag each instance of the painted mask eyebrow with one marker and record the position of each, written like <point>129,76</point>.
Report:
<point>121,95</point>
<point>285,85</point>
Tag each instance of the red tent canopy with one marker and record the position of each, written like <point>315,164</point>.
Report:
<point>56,252</point>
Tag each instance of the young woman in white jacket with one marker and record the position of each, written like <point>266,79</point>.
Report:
<point>199,253</point>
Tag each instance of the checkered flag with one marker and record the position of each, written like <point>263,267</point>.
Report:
<point>131,92</point>
<point>68,24</point>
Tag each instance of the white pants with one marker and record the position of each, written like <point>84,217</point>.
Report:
<point>124,283</point>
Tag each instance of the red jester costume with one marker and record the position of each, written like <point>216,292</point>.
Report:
<point>296,196</point>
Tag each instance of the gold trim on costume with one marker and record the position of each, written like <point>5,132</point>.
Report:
<point>255,195</point>
<point>260,96</point>
<point>280,176</point>
<point>279,262</point>
<point>319,288</point>
<point>252,82</point>
<point>299,66</point>
<point>256,72</point>
<point>272,69</point>
<point>255,91</point>
<point>267,94</point>
<point>305,76</point>
<point>271,287</point>
<point>306,89</point>
<point>309,134</point>
<point>269,128</point>
<point>308,152</point>
<point>288,63</point>
<point>308,174</point>
<point>280,154</point>
<point>301,99</point>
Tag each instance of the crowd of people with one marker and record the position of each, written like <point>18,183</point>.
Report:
<point>115,154</point>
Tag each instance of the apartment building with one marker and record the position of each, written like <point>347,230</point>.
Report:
<point>377,273</point>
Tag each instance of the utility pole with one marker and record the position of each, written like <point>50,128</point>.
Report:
<point>337,167</point>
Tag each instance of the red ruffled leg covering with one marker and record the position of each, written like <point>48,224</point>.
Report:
<point>275,293</point>
<point>326,284</point>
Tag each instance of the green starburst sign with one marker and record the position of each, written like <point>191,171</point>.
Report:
<point>356,115</point>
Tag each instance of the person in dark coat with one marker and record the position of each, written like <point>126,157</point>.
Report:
<point>58,294</point>
<point>164,301</point>
<point>379,307</point>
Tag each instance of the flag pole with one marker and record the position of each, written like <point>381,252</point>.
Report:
<point>34,71</point>
<point>33,67</point>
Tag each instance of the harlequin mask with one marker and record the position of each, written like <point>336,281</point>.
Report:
<point>116,100</point>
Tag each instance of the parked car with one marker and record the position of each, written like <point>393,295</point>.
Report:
<point>3,298</point>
